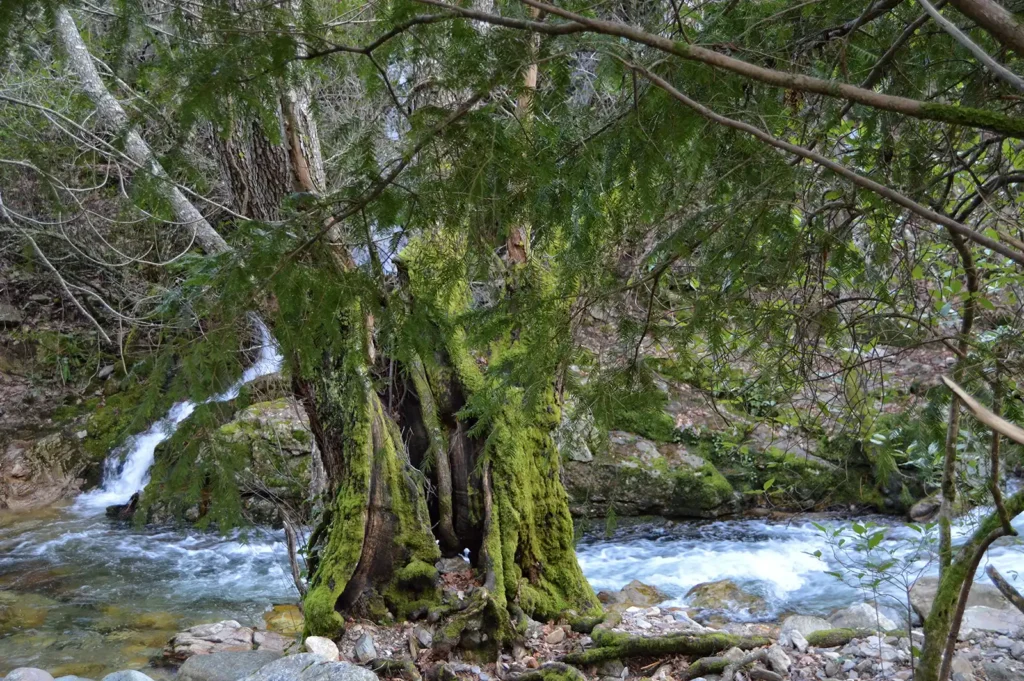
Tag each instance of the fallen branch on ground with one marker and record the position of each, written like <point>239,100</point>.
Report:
<point>612,646</point>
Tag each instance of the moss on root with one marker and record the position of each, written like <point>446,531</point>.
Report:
<point>830,638</point>
<point>612,646</point>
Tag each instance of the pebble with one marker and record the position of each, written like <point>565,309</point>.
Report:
<point>1004,642</point>
<point>365,650</point>
<point>557,636</point>
<point>798,641</point>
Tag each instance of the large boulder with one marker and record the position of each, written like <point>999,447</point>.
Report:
<point>987,609</point>
<point>34,474</point>
<point>635,594</point>
<point>225,666</point>
<point>805,624</point>
<point>636,476</point>
<point>204,639</point>
<point>861,616</point>
<point>725,595</point>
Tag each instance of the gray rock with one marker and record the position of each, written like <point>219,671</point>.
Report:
<point>105,372</point>
<point>365,650</point>
<point>286,668</point>
<point>1018,650</point>
<point>424,637</point>
<point>126,675</point>
<point>1003,671</point>
<point>779,660</point>
<point>28,674</point>
<point>204,639</point>
<point>861,616</point>
<point>71,677</point>
<point>805,624</point>
<point>798,641</point>
<point>226,666</point>
<point>612,668</point>
<point>961,665</point>
<point>1004,642</point>
<point>923,594</point>
<point>337,671</point>
<point>324,647</point>
<point>11,316</point>
<point>998,620</point>
<point>454,564</point>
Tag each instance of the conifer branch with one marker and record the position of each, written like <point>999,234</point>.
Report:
<point>841,170</point>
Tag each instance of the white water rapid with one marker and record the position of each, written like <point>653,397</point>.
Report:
<point>126,474</point>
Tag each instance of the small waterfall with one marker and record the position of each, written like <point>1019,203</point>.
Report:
<point>125,475</point>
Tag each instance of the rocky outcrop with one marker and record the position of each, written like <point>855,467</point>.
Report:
<point>38,473</point>
<point>636,476</point>
<point>987,610</point>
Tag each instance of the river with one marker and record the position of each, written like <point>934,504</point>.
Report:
<point>88,595</point>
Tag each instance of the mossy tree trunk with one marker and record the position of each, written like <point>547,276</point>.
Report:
<point>373,552</point>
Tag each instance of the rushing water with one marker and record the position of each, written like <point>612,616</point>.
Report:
<point>81,594</point>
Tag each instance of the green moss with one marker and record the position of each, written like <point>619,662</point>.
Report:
<point>975,118</point>
<point>830,638</point>
<point>621,646</point>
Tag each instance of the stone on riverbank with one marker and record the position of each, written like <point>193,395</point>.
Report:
<point>805,624</point>
<point>28,674</point>
<point>225,666</point>
<point>861,616</point>
<point>987,609</point>
<point>323,647</point>
<point>126,675</point>
<point>204,639</point>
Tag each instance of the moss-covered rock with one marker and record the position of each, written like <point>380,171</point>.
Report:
<point>725,595</point>
<point>636,476</point>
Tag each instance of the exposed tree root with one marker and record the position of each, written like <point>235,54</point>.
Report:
<point>618,646</point>
<point>705,666</point>
<point>401,669</point>
<point>585,625</point>
<point>551,671</point>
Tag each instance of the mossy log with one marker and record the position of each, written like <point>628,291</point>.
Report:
<point>585,625</point>
<point>613,646</point>
<point>830,638</point>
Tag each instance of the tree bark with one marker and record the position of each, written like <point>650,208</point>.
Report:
<point>116,121</point>
<point>995,19</point>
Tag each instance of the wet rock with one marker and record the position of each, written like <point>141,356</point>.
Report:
<point>126,675</point>
<point>635,594</point>
<point>337,671</point>
<point>926,509</point>
<point>637,476</point>
<point>204,639</point>
<point>228,666</point>
<point>324,647</point>
<point>284,619</point>
<point>28,674</point>
<point>861,616</point>
<point>365,650</point>
<point>725,595</point>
